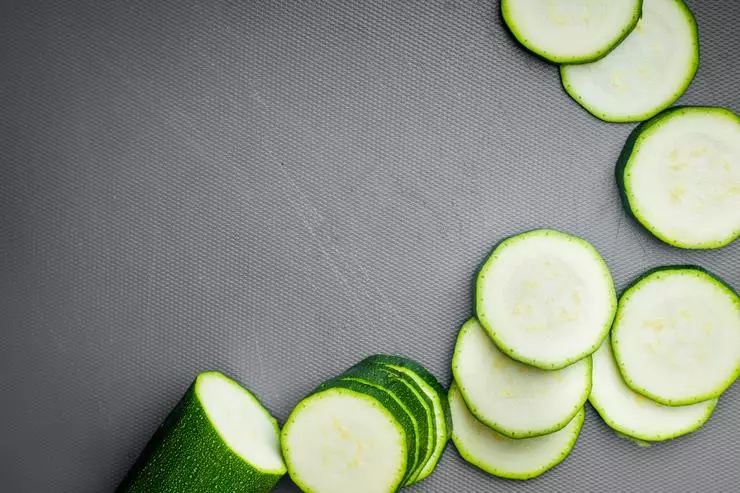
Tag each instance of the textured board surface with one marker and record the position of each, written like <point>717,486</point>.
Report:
<point>278,189</point>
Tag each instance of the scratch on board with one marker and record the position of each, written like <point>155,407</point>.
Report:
<point>310,219</point>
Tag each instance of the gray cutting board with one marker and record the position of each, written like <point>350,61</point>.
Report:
<point>277,189</point>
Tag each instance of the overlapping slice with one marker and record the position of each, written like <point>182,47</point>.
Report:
<point>546,298</point>
<point>434,391</point>
<point>633,414</point>
<point>676,336</point>
<point>645,73</point>
<point>571,31</point>
<point>679,176</point>
<point>512,398</point>
<point>411,422</point>
<point>505,457</point>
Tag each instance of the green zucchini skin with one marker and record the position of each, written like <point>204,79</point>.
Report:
<point>186,454</point>
<point>424,374</point>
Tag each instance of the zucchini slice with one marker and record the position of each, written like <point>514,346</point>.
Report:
<point>546,298</point>
<point>516,400</point>
<point>571,31</point>
<point>219,438</point>
<point>434,391</point>
<point>646,73</point>
<point>345,438</point>
<point>417,405</point>
<point>676,336</point>
<point>506,457</point>
<point>634,415</point>
<point>679,176</point>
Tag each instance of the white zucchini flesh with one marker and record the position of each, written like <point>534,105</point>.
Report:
<point>676,337</point>
<point>339,440</point>
<point>681,177</point>
<point>646,73</point>
<point>571,31</point>
<point>546,298</point>
<point>633,414</point>
<point>241,421</point>
<point>505,457</point>
<point>512,398</point>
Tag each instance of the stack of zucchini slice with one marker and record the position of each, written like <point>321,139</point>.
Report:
<point>549,334</point>
<point>545,301</point>
<point>381,425</point>
<point>621,60</point>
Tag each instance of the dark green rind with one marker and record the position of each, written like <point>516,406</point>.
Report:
<point>358,391</point>
<point>392,404</point>
<point>510,351</point>
<point>581,416</point>
<point>413,397</point>
<point>615,346</point>
<point>621,172</point>
<point>543,55</point>
<point>638,118</point>
<point>438,397</point>
<point>187,454</point>
<point>495,426</point>
<point>424,374</point>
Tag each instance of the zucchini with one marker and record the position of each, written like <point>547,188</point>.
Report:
<point>346,437</point>
<point>436,393</point>
<point>516,400</point>
<point>571,31</point>
<point>679,176</point>
<point>634,415</point>
<point>546,298</point>
<point>417,405</point>
<point>646,73</point>
<point>219,438</point>
<point>501,456</point>
<point>676,336</point>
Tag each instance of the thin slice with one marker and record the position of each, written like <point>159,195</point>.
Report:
<point>634,415</point>
<point>646,73</point>
<point>506,457</point>
<point>515,399</point>
<point>546,298</point>
<point>414,401</point>
<point>436,393</point>
<point>395,406</point>
<point>341,439</point>
<point>679,176</point>
<point>219,438</point>
<point>676,336</point>
<point>571,31</point>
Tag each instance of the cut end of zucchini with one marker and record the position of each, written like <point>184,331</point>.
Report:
<point>501,456</point>
<point>241,421</point>
<point>634,415</point>
<point>339,440</point>
<point>546,298</point>
<point>515,399</point>
<point>676,336</point>
<point>679,174</point>
<point>571,31</point>
<point>644,74</point>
